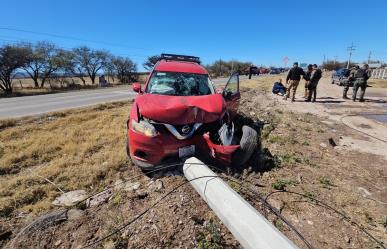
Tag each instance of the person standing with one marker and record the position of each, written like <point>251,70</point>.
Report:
<point>292,80</point>
<point>307,78</point>
<point>347,82</point>
<point>313,82</point>
<point>361,76</point>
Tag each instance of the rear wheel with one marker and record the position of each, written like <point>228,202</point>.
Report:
<point>248,144</point>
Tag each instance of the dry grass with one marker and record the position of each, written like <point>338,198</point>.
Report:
<point>81,149</point>
<point>377,83</point>
<point>262,82</point>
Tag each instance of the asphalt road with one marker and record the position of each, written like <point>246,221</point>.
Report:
<point>40,104</point>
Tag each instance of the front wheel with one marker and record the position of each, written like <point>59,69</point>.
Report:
<point>127,146</point>
<point>248,144</point>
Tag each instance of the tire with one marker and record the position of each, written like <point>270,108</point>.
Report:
<point>127,146</point>
<point>248,145</point>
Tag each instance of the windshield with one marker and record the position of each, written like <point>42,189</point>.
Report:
<point>180,84</point>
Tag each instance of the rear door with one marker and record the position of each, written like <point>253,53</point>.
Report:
<point>232,95</point>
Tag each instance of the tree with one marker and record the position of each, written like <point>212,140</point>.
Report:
<point>150,62</point>
<point>12,57</point>
<point>223,68</point>
<point>44,60</point>
<point>89,61</point>
<point>124,68</point>
<point>71,67</point>
<point>334,65</point>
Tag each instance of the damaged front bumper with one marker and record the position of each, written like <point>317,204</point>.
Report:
<point>163,149</point>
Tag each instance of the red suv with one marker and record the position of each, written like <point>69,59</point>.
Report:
<point>179,113</point>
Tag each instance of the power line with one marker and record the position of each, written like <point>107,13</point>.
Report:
<point>72,38</point>
<point>16,42</point>
<point>342,214</point>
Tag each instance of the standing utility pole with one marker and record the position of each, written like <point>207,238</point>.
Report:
<point>369,57</point>
<point>350,50</point>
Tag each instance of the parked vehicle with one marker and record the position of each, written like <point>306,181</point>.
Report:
<point>179,113</point>
<point>263,70</point>
<point>275,71</point>
<point>340,76</point>
<point>254,70</point>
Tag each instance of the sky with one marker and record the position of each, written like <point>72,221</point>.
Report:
<point>263,32</point>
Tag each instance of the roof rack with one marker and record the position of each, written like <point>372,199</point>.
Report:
<point>177,57</point>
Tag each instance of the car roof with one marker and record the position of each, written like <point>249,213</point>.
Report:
<point>180,66</point>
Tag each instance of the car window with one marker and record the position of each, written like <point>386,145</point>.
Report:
<point>179,84</point>
<point>232,85</point>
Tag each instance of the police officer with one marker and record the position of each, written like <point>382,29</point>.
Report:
<point>360,76</point>
<point>292,80</point>
<point>307,79</point>
<point>315,76</point>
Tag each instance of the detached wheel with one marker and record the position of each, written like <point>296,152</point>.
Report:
<point>248,144</point>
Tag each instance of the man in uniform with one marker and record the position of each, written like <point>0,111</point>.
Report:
<point>315,76</point>
<point>347,82</point>
<point>292,80</point>
<point>360,76</point>
<point>307,79</point>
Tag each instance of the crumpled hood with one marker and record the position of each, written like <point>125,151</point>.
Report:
<point>179,110</point>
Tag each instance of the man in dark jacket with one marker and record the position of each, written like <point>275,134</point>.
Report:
<point>293,79</point>
<point>279,88</point>
<point>315,76</point>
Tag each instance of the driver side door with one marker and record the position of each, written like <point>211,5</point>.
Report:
<point>232,95</point>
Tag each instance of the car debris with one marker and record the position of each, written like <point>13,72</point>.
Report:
<point>179,113</point>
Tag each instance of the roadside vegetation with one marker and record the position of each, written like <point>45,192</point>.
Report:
<point>84,149</point>
<point>45,63</point>
<point>81,149</point>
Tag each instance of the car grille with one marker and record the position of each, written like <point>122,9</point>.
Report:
<point>182,132</point>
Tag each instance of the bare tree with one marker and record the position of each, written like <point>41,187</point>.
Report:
<point>90,61</point>
<point>44,60</point>
<point>335,65</point>
<point>12,57</point>
<point>124,68</point>
<point>71,67</point>
<point>222,68</point>
<point>150,62</point>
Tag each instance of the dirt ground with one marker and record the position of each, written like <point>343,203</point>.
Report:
<point>308,148</point>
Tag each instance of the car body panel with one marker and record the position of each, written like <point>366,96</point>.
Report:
<point>179,110</point>
<point>169,110</point>
<point>220,152</point>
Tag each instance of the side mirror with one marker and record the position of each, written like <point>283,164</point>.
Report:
<point>226,94</point>
<point>136,87</point>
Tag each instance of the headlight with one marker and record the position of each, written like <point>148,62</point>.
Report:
<point>144,128</point>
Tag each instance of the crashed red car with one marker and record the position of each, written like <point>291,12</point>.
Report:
<point>178,113</point>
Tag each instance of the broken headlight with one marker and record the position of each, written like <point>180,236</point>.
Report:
<point>144,128</point>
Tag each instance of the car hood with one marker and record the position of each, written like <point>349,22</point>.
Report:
<point>179,110</point>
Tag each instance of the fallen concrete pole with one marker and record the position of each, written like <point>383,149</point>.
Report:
<point>247,225</point>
